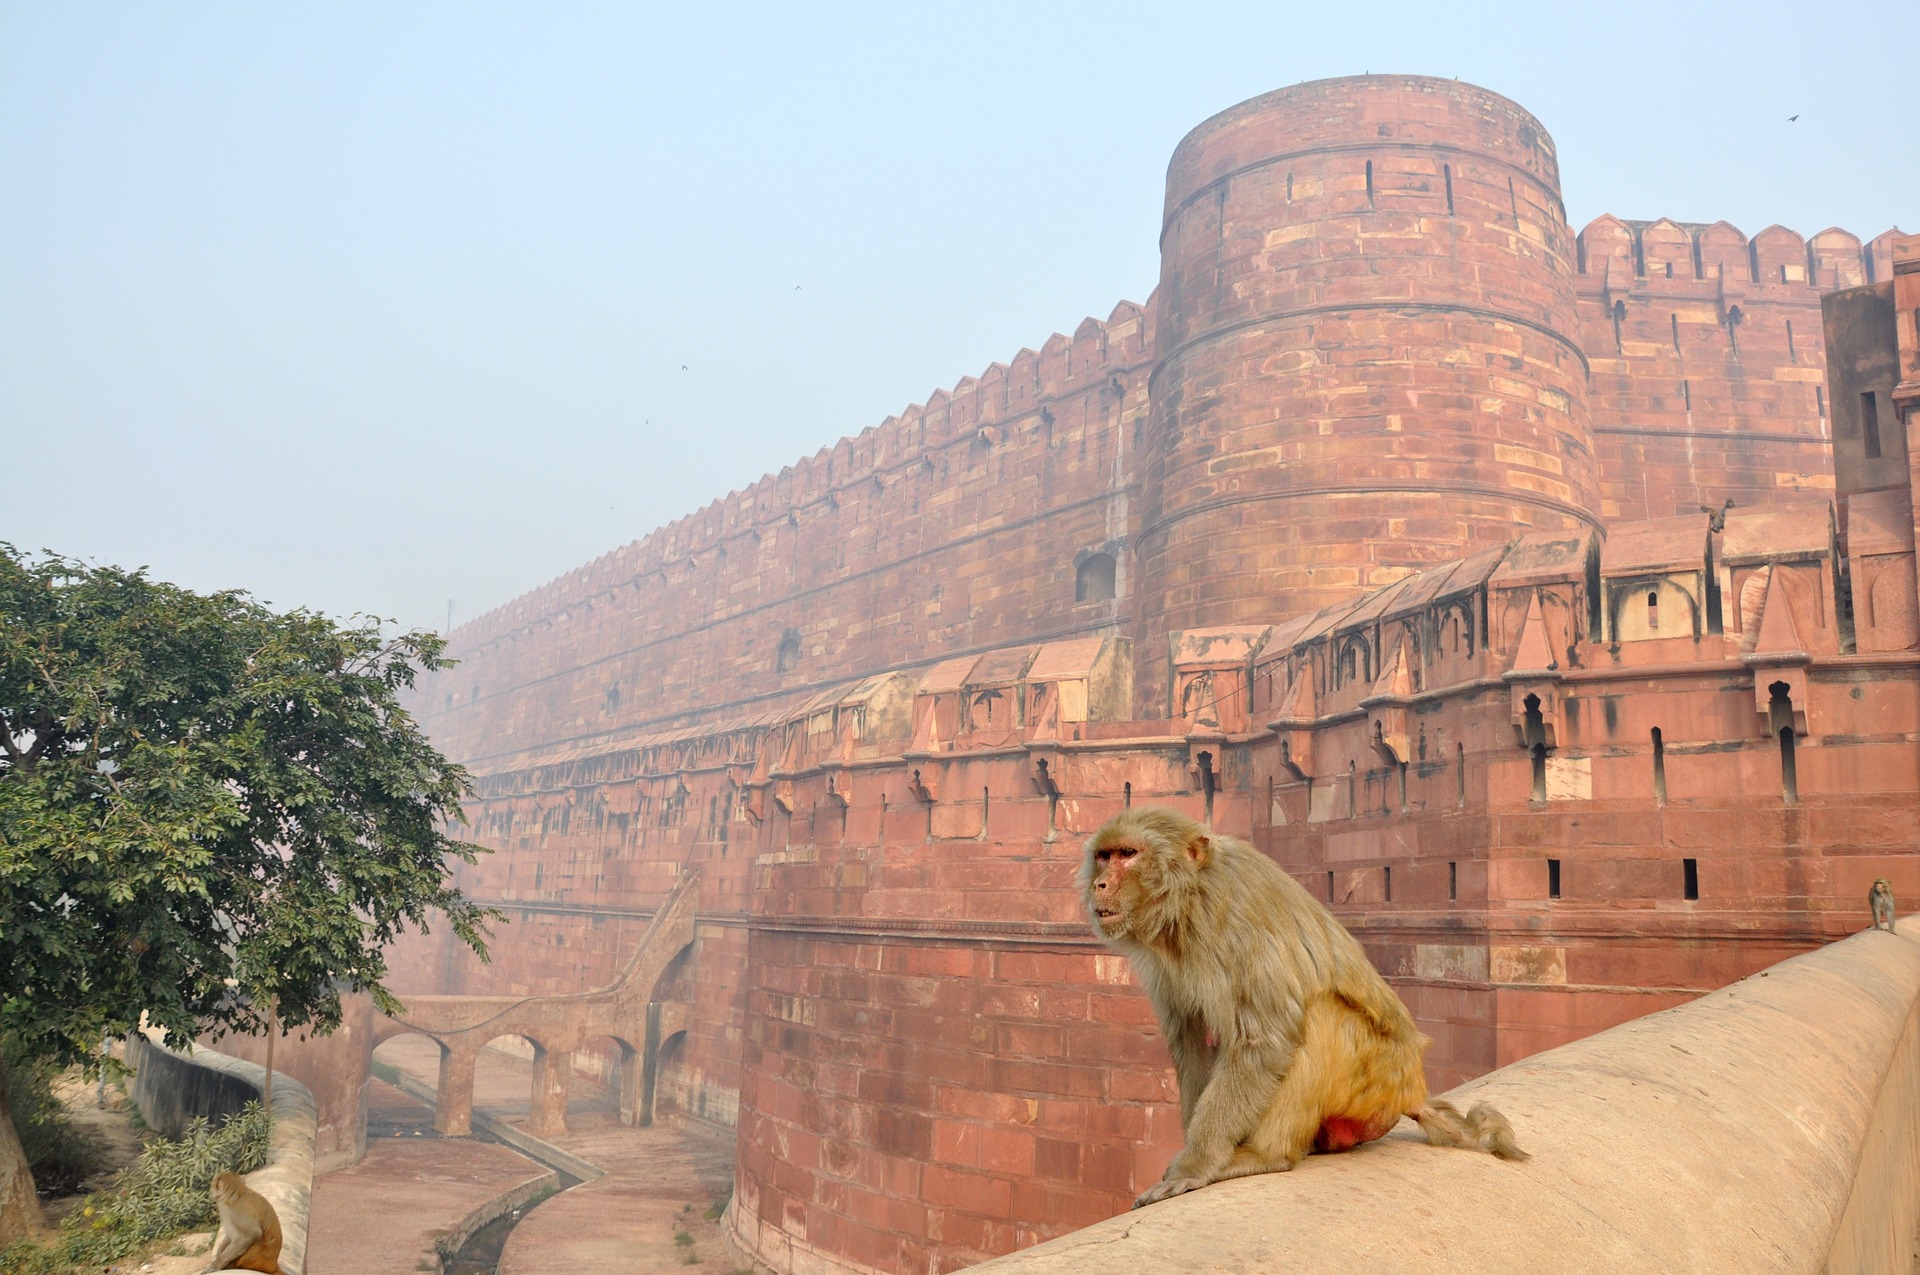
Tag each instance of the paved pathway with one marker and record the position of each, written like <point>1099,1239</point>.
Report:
<point>386,1213</point>
<point>659,1184</point>
<point>659,1181</point>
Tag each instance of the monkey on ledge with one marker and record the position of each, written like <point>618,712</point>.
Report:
<point>1284,1037</point>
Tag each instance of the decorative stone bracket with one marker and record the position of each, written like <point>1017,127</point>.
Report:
<point>921,790</point>
<point>1046,771</point>
<point>1535,675</point>
<point>1773,669</point>
<point>1544,690</point>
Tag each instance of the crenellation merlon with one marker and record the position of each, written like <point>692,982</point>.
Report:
<point>1833,258</point>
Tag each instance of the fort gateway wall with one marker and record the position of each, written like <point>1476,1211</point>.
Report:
<point>876,700</point>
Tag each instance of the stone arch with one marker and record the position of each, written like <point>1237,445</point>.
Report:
<point>1654,606</point>
<point>610,1065</point>
<point>554,1027</point>
<point>666,1086</point>
<point>407,1057</point>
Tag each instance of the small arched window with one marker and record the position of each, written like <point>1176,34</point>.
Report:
<point>1094,581</point>
<point>1653,608</point>
<point>789,653</point>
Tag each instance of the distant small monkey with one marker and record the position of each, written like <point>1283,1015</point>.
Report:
<point>1285,1040</point>
<point>1880,899</point>
<point>249,1235</point>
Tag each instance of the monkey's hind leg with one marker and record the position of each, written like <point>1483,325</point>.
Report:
<point>1317,1092</point>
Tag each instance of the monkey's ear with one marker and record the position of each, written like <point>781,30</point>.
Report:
<point>1200,849</point>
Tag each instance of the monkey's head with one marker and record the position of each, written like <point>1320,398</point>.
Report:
<point>1139,871</point>
<point>1882,886</point>
<point>227,1187</point>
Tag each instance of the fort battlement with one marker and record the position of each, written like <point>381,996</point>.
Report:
<point>839,565</point>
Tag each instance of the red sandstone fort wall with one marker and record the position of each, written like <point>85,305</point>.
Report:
<point>953,527</point>
<point>1708,360</point>
<point>893,994</point>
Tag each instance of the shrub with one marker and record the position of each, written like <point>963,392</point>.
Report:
<point>163,1193</point>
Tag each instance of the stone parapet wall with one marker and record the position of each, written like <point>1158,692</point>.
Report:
<point>1768,1127</point>
<point>334,1070</point>
<point>175,1087</point>
<point>1708,363</point>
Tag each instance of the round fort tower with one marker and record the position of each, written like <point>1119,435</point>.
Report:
<point>1366,359</point>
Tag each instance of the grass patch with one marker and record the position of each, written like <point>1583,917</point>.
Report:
<point>163,1193</point>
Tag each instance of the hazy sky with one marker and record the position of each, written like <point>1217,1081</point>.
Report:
<point>369,307</point>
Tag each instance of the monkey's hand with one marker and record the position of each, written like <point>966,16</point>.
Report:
<point>1167,1190</point>
<point>221,1256</point>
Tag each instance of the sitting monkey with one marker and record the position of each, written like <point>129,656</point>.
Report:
<point>1285,1040</point>
<point>1880,900</point>
<point>249,1235</point>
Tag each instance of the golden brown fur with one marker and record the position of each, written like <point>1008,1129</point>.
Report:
<point>1880,899</point>
<point>1284,1037</point>
<point>249,1235</point>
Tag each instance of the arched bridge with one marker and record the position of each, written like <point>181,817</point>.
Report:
<point>627,1010</point>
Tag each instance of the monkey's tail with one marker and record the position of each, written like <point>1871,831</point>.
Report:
<point>1480,1129</point>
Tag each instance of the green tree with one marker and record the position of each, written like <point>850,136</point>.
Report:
<point>206,808</point>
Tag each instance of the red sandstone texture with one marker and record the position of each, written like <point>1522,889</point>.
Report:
<point>1375,536</point>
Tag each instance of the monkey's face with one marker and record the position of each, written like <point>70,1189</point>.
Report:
<point>1138,869</point>
<point>226,1187</point>
<point>1111,888</point>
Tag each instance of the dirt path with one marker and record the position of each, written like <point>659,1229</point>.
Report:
<point>109,1122</point>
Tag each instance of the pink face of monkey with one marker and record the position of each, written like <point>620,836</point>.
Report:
<point>1136,868</point>
<point>1109,888</point>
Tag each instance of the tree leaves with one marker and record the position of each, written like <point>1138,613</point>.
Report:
<point>205,804</point>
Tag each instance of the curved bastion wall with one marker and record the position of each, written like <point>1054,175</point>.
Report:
<point>1366,290</point>
<point>877,700</point>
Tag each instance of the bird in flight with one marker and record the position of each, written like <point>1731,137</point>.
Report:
<point>683,367</point>
<point>1792,118</point>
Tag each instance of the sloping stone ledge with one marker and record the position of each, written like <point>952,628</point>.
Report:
<point>1772,1126</point>
<point>173,1087</point>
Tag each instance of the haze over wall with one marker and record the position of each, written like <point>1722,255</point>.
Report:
<point>367,309</point>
